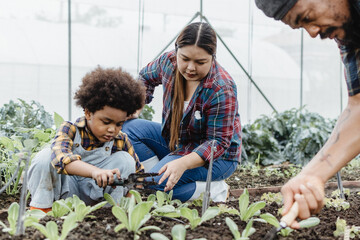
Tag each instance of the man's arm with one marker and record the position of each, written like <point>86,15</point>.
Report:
<point>307,188</point>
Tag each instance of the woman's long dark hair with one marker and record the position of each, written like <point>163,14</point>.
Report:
<point>203,36</point>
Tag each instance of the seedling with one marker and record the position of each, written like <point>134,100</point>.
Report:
<point>337,203</point>
<point>31,216</point>
<point>235,230</point>
<point>192,215</point>
<point>271,197</point>
<point>51,229</point>
<point>340,227</point>
<point>246,211</point>
<point>134,218</point>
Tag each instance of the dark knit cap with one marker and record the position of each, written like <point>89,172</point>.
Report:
<point>275,8</point>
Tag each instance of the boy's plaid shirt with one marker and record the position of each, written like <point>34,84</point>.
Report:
<point>212,112</point>
<point>63,142</point>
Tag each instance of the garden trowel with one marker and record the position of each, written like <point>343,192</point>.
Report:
<point>206,199</point>
<point>284,222</point>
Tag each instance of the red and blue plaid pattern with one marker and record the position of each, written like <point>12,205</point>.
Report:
<point>212,112</point>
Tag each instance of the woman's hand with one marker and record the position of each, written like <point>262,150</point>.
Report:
<point>172,170</point>
<point>104,177</point>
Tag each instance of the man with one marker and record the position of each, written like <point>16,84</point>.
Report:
<point>338,20</point>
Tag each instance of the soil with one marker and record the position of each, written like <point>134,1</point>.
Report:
<point>103,224</point>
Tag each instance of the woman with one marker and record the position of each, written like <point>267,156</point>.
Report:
<point>199,106</point>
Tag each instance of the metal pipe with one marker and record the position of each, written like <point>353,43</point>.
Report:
<point>69,56</point>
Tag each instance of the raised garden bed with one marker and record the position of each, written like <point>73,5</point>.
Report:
<point>103,224</point>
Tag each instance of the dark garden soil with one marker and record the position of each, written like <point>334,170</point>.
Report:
<point>102,226</point>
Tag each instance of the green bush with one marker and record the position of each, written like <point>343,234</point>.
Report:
<point>295,135</point>
<point>20,114</point>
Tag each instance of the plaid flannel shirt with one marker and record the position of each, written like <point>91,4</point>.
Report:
<point>212,112</point>
<point>351,58</point>
<point>62,145</point>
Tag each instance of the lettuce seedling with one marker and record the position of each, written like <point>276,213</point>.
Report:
<point>51,230</point>
<point>340,227</point>
<point>193,216</point>
<point>136,216</point>
<point>81,210</point>
<point>246,211</point>
<point>235,230</point>
<point>31,216</point>
<point>60,208</point>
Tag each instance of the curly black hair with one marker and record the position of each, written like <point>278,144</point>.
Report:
<point>110,87</point>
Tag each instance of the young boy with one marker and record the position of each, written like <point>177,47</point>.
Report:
<point>85,156</point>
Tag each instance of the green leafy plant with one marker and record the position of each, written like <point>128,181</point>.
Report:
<point>192,215</point>
<point>246,211</point>
<point>133,219</point>
<point>31,217</point>
<point>336,193</point>
<point>271,197</point>
<point>235,230</point>
<point>147,113</point>
<point>51,231</point>
<point>295,135</point>
<point>24,115</point>
<point>61,207</point>
<point>340,227</point>
<point>337,203</point>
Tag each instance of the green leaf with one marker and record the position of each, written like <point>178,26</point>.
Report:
<point>110,199</point>
<point>120,214</point>
<point>119,227</point>
<point>253,209</point>
<point>269,218</point>
<point>137,195</point>
<point>68,225</point>
<point>138,214</point>
<point>209,214</point>
<point>310,222</point>
<point>7,143</point>
<point>58,120</point>
<point>160,198</point>
<point>13,214</point>
<point>52,230</point>
<point>243,203</point>
<point>165,209</point>
<point>248,230</point>
<point>178,232</point>
<point>158,236</point>
<point>233,228</point>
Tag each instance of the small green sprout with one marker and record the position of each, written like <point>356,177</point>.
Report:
<point>31,216</point>
<point>193,216</point>
<point>271,197</point>
<point>235,230</point>
<point>51,229</point>
<point>246,211</point>
<point>133,219</point>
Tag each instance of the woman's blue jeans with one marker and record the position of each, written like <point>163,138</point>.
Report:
<point>148,142</point>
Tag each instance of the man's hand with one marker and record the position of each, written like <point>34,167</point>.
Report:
<point>104,177</point>
<point>308,191</point>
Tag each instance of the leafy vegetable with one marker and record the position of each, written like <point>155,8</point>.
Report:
<point>193,216</point>
<point>235,230</point>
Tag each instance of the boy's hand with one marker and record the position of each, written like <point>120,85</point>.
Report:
<point>104,177</point>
